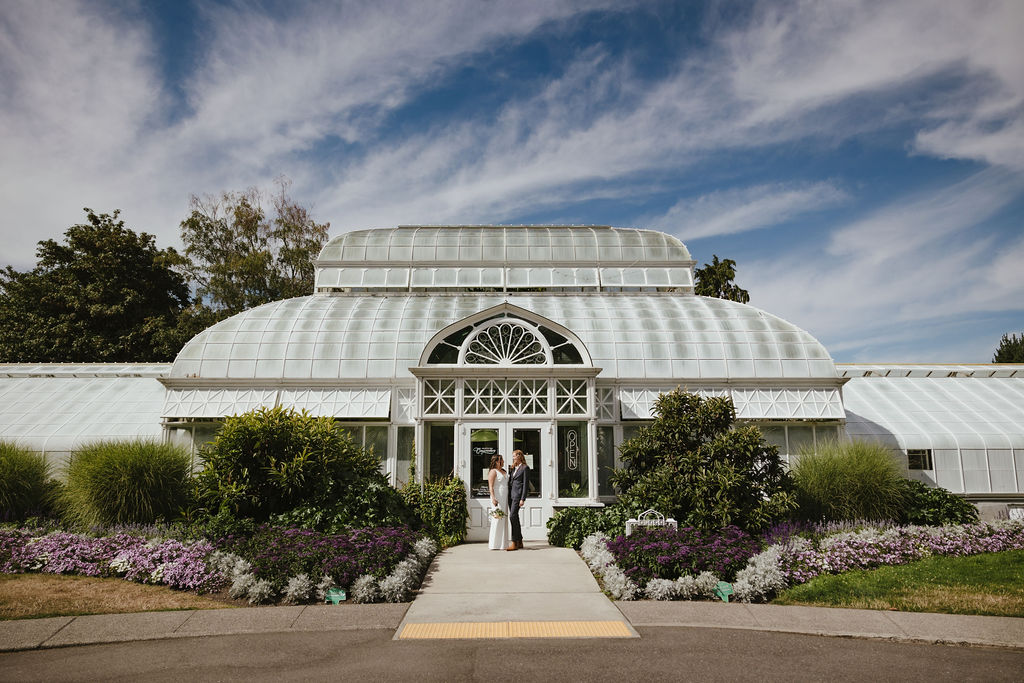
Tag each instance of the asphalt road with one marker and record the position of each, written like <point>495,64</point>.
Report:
<point>668,653</point>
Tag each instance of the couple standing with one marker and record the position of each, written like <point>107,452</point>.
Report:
<point>508,496</point>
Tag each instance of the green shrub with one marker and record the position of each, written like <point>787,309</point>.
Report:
<point>569,526</point>
<point>441,507</point>
<point>26,489</point>
<point>127,482</point>
<point>934,506</point>
<point>693,465</point>
<point>848,481</point>
<point>370,502</point>
<point>279,465</point>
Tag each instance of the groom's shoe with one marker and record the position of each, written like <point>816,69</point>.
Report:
<point>513,546</point>
<point>519,545</point>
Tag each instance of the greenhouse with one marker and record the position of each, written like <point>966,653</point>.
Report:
<point>444,345</point>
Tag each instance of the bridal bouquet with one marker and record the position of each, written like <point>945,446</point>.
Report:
<point>496,513</point>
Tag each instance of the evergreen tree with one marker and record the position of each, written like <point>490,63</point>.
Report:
<point>716,279</point>
<point>1011,349</point>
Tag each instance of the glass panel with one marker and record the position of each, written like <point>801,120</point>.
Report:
<point>405,442</point>
<point>776,436</point>
<point>824,434</point>
<point>571,397</point>
<point>607,460</point>
<point>506,344</point>
<point>800,438</point>
<point>631,430</point>
<point>505,397</point>
<point>483,445</point>
<point>439,397</point>
<point>377,441</point>
<point>439,456</point>
<point>573,475</point>
<point>528,441</point>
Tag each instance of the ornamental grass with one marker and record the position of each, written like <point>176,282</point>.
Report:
<point>126,482</point>
<point>849,480</point>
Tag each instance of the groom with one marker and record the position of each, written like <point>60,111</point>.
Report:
<point>517,488</point>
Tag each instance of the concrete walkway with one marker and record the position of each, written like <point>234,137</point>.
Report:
<point>538,591</point>
<point>470,592</point>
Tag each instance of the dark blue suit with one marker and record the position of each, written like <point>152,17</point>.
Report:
<point>518,486</point>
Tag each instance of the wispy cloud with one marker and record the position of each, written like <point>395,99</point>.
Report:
<point>728,212</point>
<point>88,120</point>
<point>881,278</point>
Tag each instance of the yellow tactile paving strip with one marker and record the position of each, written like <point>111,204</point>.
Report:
<point>516,629</point>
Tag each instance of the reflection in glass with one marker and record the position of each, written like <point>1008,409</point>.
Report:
<point>528,441</point>
<point>439,456</point>
<point>573,463</point>
<point>404,449</point>
<point>606,460</point>
<point>483,444</point>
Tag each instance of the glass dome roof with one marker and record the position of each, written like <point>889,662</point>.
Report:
<point>656,337</point>
<point>591,245</point>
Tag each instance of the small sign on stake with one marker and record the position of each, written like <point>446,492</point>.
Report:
<point>335,595</point>
<point>723,590</point>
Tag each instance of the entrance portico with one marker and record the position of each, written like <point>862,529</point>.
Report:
<point>510,380</point>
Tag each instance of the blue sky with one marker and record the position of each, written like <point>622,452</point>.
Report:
<point>862,161</point>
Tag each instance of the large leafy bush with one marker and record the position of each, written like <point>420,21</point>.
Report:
<point>126,482</point>
<point>935,506</point>
<point>848,481</point>
<point>568,527</point>
<point>693,464</point>
<point>441,506</point>
<point>294,469</point>
<point>26,489</point>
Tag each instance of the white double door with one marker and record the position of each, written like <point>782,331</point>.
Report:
<point>478,443</point>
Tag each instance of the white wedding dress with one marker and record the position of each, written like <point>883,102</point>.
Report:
<point>498,539</point>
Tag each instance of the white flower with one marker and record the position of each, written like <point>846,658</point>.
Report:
<point>240,584</point>
<point>326,583</point>
<point>260,591</point>
<point>298,590</point>
<point>761,578</point>
<point>662,589</point>
<point>365,589</point>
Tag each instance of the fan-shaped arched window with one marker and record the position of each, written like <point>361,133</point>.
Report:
<point>503,340</point>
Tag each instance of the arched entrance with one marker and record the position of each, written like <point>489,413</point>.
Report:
<point>505,380</point>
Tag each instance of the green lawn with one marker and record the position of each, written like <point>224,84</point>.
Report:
<point>990,584</point>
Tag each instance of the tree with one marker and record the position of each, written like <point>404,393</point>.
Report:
<point>240,258</point>
<point>1011,349</point>
<point>106,294</point>
<point>694,465</point>
<point>716,279</point>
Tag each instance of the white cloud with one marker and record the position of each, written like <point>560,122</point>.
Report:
<point>796,58</point>
<point>740,210</point>
<point>882,278</point>
<point>77,89</point>
<point>81,104</point>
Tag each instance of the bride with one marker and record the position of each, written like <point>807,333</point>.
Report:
<point>497,482</point>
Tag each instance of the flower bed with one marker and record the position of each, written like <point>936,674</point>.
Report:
<point>169,562</point>
<point>797,555</point>
<point>803,558</point>
<point>290,564</point>
<point>277,554</point>
<point>669,553</point>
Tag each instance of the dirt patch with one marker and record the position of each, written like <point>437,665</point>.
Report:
<point>25,596</point>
